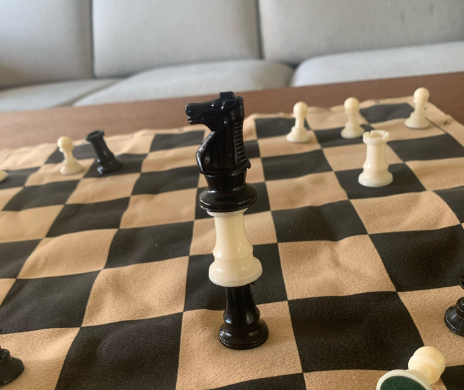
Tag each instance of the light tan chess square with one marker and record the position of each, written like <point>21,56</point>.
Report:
<point>279,146</point>
<point>342,158</point>
<point>27,224</point>
<point>427,309</point>
<point>259,228</point>
<point>162,160</point>
<point>439,174</point>
<point>254,175</point>
<point>4,154</point>
<point>92,190</point>
<point>50,173</point>
<point>249,128</point>
<point>437,117</point>
<point>310,190</point>
<point>405,212</point>
<point>137,291</point>
<point>69,254</point>
<point>204,363</point>
<point>202,181</point>
<point>349,266</point>
<point>7,194</point>
<point>204,237</point>
<point>5,286</point>
<point>184,129</point>
<point>138,143</point>
<point>397,100</point>
<point>329,118</point>
<point>169,207</point>
<point>43,353</point>
<point>343,379</point>
<point>398,130</point>
<point>28,157</point>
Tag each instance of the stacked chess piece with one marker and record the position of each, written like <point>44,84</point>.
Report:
<point>425,368</point>
<point>223,160</point>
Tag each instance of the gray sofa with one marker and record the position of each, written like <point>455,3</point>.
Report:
<point>82,52</point>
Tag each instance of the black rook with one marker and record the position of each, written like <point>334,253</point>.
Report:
<point>106,161</point>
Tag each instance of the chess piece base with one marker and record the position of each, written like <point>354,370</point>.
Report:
<point>73,170</point>
<point>417,124</point>
<point>3,175</point>
<point>404,380</point>
<point>298,136</point>
<point>349,132</point>
<point>454,318</point>
<point>242,328</point>
<point>375,179</point>
<point>10,367</point>
<point>113,166</point>
<point>244,337</point>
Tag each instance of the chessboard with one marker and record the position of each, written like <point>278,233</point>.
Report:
<point>104,279</point>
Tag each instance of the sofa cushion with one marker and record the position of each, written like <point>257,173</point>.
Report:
<point>133,36</point>
<point>190,80</point>
<point>44,41</point>
<point>294,30</point>
<point>380,64</point>
<point>41,96</point>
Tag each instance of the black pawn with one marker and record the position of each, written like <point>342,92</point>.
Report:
<point>242,327</point>
<point>107,163</point>
<point>10,367</point>
<point>454,316</point>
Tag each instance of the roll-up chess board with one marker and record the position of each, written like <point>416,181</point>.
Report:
<point>104,279</point>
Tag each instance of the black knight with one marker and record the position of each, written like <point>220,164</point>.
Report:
<point>222,157</point>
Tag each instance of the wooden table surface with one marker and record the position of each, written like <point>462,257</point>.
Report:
<point>27,128</point>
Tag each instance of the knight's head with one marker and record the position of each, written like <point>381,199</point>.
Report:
<point>213,113</point>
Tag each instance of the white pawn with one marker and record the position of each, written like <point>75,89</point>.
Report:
<point>3,175</point>
<point>299,133</point>
<point>70,165</point>
<point>375,173</point>
<point>425,368</point>
<point>352,128</point>
<point>417,120</point>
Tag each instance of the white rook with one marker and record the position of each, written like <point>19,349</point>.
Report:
<point>417,120</point>
<point>352,127</point>
<point>425,368</point>
<point>234,264</point>
<point>298,132</point>
<point>375,169</point>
